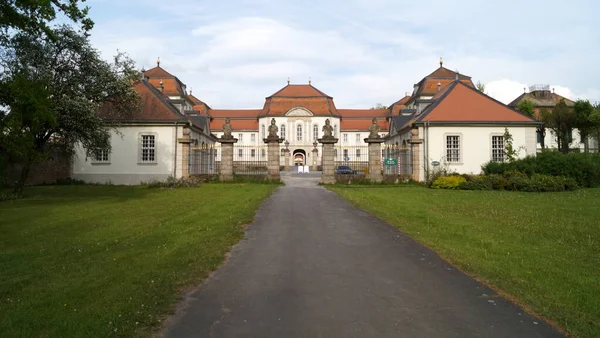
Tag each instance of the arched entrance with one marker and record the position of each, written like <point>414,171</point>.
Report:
<point>299,157</point>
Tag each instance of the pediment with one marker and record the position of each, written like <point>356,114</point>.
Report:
<point>299,111</point>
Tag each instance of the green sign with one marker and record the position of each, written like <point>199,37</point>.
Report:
<point>390,161</point>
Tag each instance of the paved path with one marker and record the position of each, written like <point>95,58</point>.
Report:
<point>312,265</point>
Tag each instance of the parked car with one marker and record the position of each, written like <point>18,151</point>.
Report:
<point>344,169</point>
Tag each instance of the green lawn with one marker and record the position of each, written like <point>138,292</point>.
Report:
<point>543,249</point>
<point>99,261</point>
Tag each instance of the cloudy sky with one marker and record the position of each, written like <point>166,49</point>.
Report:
<point>234,53</point>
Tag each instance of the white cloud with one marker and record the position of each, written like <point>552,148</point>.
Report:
<point>361,52</point>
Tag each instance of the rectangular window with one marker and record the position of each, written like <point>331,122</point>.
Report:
<point>241,137</point>
<point>148,149</point>
<point>253,138</point>
<point>240,152</point>
<point>346,158</point>
<point>453,148</point>
<point>101,156</point>
<point>357,153</point>
<point>357,138</point>
<point>253,153</point>
<point>498,148</point>
<point>262,153</point>
<point>345,137</point>
<point>315,132</point>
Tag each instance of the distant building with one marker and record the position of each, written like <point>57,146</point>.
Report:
<point>543,98</point>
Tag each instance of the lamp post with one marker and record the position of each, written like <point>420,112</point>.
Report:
<point>315,155</point>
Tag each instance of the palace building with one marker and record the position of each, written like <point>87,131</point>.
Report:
<point>444,120</point>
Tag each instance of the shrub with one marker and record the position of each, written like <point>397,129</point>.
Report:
<point>477,183</point>
<point>583,168</point>
<point>448,182</point>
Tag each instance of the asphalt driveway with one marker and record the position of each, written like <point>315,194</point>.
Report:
<point>312,265</point>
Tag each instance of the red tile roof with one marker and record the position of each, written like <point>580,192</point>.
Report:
<point>199,106</point>
<point>297,90</point>
<point>463,103</point>
<point>154,106</point>
<point>399,105</point>
<point>158,72</point>
<point>217,124</point>
<point>320,106</point>
<point>429,84</point>
<point>364,113</point>
<point>172,85</point>
<point>234,113</point>
<point>363,124</point>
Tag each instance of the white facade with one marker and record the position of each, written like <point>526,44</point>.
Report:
<point>475,146</point>
<point>125,165</point>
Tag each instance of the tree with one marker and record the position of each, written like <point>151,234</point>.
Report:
<point>33,16</point>
<point>526,107</point>
<point>51,91</point>
<point>379,106</point>
<point>561,119</point>
<point>480,86</point>
<point>583,121</point>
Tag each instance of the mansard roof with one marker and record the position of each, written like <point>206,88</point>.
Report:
<point>299,90</point>
<point>172,85</point>
<point>292,96</point>
<point>442,76</point>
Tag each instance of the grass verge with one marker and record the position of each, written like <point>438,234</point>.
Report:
<point>542,249</point>
<point>102,261</point>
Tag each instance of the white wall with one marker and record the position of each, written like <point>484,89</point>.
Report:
<point>475,145</point>
<point>123,166</point>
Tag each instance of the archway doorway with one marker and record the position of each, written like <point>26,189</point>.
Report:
<point>299,157</point>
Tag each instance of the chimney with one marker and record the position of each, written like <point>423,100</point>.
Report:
<point>160,87</point>
<point>439,86</point>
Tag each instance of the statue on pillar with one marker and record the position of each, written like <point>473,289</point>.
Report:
<point>227,129</point>
<point>374,129</point>
<point>327,130</point>
<point>273,130</point>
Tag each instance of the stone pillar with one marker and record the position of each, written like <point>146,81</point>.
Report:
<point>415,143</point>
<point>375,159</point>
<point>286,164</point>
<point>328,165</point>
<point>185,156</point>
<point>315,157</point>
<point>273,155</point>
<point>226,173</point>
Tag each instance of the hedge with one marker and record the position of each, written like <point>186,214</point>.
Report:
<point>516,181</point>
<point>583,168</point>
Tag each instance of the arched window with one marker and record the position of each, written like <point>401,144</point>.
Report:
<point>299,133</point>
<point>315,132</point>
<point>263,131</point>
<point>283,131</point>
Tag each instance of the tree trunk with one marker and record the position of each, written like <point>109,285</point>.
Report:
<point>543,137</point>
<point>22,179</point>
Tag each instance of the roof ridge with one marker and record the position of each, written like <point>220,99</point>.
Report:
<point>163,100</point>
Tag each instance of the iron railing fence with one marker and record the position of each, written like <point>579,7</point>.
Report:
<point>250,160</point>
<point>202,160</point>
<point>396,160</point>
<point>354,157</point>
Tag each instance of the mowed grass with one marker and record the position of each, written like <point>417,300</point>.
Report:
<point>543,249</point>
<point>101,261</point>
